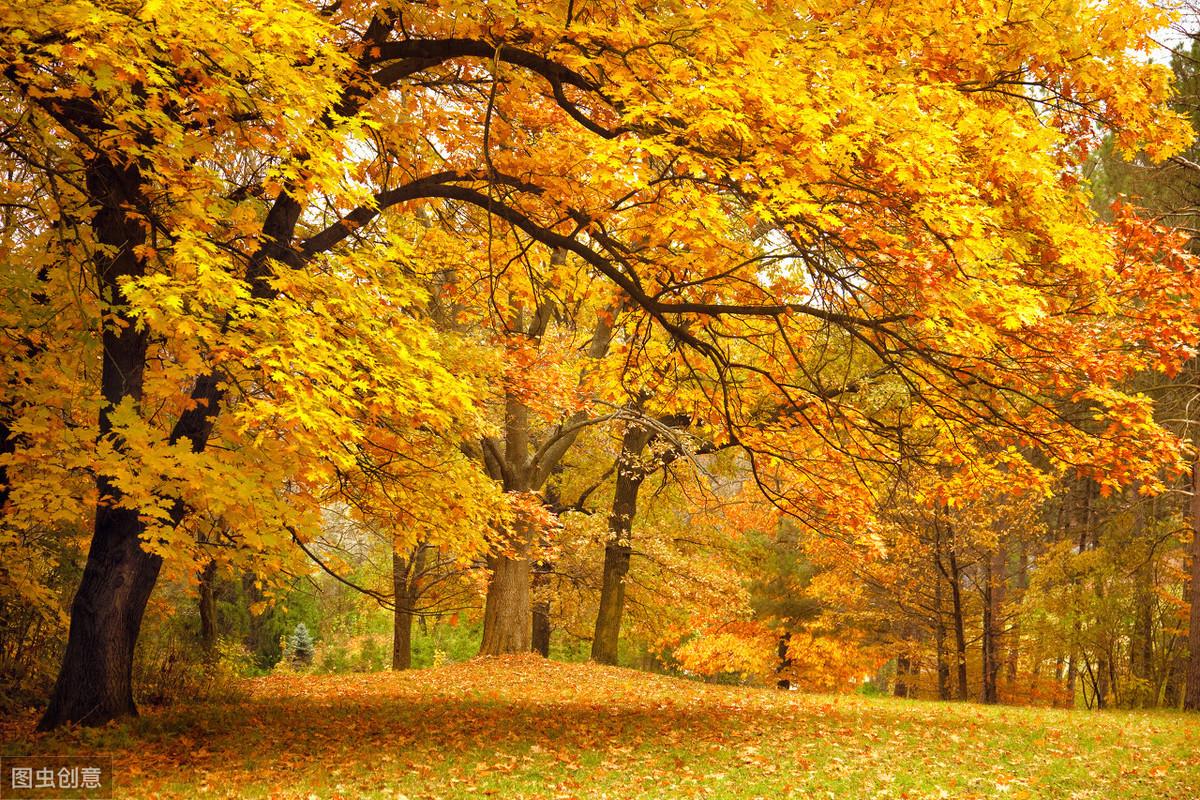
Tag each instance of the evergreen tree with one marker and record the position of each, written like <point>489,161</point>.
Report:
<point>300,646</point>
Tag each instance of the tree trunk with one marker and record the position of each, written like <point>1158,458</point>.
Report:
<point>992,600</point>
<point>960,636</point>
<point>988,642</point>
<point>1072,678</point>
<point>1020,583</point>
<point>541,610</point>
<point>939,635</point>
<point>507,614</point>
<point>1191,694</point>
<point>617,550</point>
<point>208,607</point>
<point>783,651</point>
<point>406,590</point>
<point>1101,683</point>
<point>542,570</point>
<point>903,663</point>
<point>95,682</point>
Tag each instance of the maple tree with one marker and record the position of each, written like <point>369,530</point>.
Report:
<point>268,258</point>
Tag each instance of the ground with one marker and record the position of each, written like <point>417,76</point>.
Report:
<point>521,727</point>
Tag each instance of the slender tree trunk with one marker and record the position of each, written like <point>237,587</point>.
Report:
<point>95,683</point>
<point>541,609</point>
<point>406,591</point>
<point>9,409</point>
<point>784,664</point>
<point>256,629</point>
<point>1012,637</point>
<point>939,635</point>
<point>992,610</point>
<point>903,664</point>
<point>541,580</point>
<point>1072,677</point>
<point>208,607</point>
<point>1191,694</point>
<point>960,636</point>
<point>1101,683</point>
<point>617,550</point>
<point>988,643</point>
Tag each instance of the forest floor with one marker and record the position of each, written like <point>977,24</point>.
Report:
<point>521,727</point>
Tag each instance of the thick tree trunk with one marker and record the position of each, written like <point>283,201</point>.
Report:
<point>617,550</point>
<point>612,602</point>
<point>507,614</point>
<point>95,682</point>
<point>208,607</point>
<point>1191,694</point>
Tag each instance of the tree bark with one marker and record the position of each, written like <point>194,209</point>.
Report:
<point>1191,694</point>
<point>618,550</point>
<point>903,664</point>
<point>1018,585</point>
<point>95,682</point>
<point>406,590</point>
<point>992,599</point>
<point>939,634</point>
<point>507,614</point>
<point>208,607</point>
<point>541,610</point>
<point>960,636</point>
<point>1072,677</point>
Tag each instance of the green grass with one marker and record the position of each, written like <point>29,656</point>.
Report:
<point>523,727</point>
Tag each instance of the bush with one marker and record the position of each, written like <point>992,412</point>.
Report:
<point>169,667</point>
<point>371,658</point>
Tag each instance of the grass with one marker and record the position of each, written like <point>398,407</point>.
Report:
<point>524,727</point>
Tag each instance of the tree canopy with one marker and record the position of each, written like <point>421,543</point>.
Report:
<point>262,259</point>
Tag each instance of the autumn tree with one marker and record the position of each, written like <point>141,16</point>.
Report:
<point>234,188</point>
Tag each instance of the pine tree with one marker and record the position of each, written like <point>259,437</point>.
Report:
<point>300,646</point>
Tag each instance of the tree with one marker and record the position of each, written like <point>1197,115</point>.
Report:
<point>300,646</point>
<point>230,184</point>
<point>1191,699</point>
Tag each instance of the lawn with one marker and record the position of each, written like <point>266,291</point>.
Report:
<point>524,727</point>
